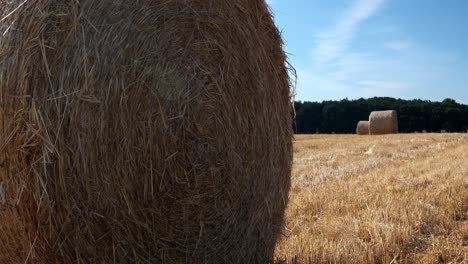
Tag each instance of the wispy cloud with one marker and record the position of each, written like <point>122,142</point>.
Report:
<point>367,74</point>
<point>334,41</point>
<point>337,71</point>
<point>370,88</point>
<point>363,52</point>
<point>399,45</point>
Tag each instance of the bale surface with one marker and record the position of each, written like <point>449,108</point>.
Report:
<point>142,131</point>
<point>383,122</point>
<point>362,128</point>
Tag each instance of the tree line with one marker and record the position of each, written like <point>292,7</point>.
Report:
<point>413,115</point>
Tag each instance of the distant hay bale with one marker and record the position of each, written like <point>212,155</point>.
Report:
<point>383,122</point>
<point>362,128</point>
<point>142,131</point>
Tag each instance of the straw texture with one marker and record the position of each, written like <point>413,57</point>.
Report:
<point>383,122</point>
<point>142,131</point>
<point>362,128</point>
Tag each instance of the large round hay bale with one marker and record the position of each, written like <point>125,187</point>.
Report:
<point>383,122</point>
<point>362,128</point>
<point>142,131</point>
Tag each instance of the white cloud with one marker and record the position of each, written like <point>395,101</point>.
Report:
<point>399,45</point>
<point>337,72</point>
<point>333,41</point>
<point>368,74</point>
<point>387,64</point>
<point>370,88</point>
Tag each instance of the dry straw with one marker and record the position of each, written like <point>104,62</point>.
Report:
<point>362,128</point>
<point>142,131</point>
<point>383,122</point>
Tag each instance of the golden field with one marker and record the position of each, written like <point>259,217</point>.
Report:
<point>378,199</point>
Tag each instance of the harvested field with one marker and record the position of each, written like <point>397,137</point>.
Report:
<point>383,199</point>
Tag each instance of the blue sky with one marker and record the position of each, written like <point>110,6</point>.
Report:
<point>410,49</point>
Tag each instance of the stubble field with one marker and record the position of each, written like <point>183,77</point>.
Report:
<point>378,199</point>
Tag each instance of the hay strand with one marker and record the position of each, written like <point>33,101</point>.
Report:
<point>142,131</point>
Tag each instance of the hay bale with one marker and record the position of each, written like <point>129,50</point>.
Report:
<point>383,122</point>
<point>143,131</point>
<point>3,201</point>
<point>362,128</point>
